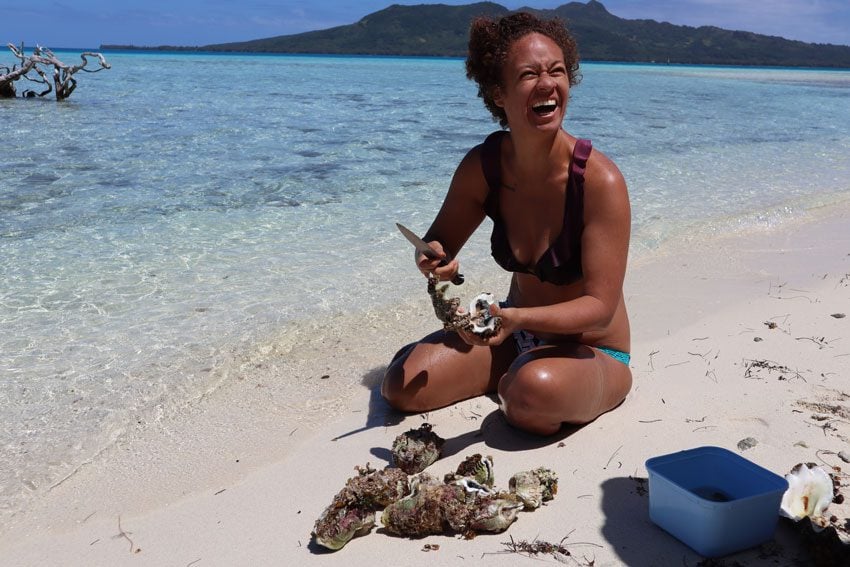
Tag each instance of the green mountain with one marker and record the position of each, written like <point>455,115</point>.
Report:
<point>428,29</point>
<point>441,30</point>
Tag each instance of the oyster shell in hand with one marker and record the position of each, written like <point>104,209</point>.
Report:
<point>480,320</point>
<point>477,320</point>
<point>414,450</point>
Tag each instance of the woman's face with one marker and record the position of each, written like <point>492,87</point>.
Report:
<point>535,85</point>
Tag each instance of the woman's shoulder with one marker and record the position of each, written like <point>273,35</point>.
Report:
<point>602,172</point>
<point>478,170</point>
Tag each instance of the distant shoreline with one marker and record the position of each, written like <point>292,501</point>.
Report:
<point>199,51</point>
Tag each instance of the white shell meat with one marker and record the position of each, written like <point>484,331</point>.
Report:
<point>809,493</point>
<point>479,312</point>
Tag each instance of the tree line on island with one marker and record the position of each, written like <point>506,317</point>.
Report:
<point>441,30</point>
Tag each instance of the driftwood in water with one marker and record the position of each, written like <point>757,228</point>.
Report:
<point>39,64</point>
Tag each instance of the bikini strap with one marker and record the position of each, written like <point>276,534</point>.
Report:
<point>574,206</point>
<point>581,153</point>
<point>491,160</point>
<point>491,164</point>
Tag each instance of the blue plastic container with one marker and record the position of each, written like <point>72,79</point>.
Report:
<point>714,500</point>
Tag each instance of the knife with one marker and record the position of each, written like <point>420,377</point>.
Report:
<point>423,248</point>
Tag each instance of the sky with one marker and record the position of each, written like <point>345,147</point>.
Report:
<point>90,23</point>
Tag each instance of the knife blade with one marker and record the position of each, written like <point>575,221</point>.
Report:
<point>423,248</point>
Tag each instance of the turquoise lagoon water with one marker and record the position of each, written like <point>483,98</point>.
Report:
<point>178,210</point>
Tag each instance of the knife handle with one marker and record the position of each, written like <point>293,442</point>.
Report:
<point>458,279</point>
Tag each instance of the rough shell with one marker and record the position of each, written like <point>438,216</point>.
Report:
<point>477,320</point>
<point>446,309</point>
<point>534,487</point>
<point>495,513</point>
<point>429,509</point>
<point>476,467</point>
<point>373,488</point>
<point>338,525</point>
<point>351,513</point>
<point>809,493</point>
<point>416,449</point>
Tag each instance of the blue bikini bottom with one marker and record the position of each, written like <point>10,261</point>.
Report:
<point>526,341</point>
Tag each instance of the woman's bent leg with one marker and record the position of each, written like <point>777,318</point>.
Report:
<point>554,384</point>
<point>441,369</point>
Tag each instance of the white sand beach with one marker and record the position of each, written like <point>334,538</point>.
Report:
<point>734,338</point>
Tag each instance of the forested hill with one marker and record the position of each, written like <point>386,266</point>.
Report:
<point>441,30</point>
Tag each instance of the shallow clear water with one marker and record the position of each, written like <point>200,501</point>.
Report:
<point>178,209</point>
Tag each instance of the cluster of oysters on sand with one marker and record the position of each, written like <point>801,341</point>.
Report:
<point>465,502</point>
<point>477,319</point>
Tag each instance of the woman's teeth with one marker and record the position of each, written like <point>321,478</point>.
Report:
<point>545,106</point>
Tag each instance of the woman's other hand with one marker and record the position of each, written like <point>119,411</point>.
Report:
<point>506,330</point>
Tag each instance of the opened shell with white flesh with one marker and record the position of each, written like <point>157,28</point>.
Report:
<point>481,321</point>
<point>809,492</point>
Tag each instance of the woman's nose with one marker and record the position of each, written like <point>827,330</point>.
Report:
<point>545,82</point>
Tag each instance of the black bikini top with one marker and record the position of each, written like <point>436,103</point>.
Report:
<point>561,263</point>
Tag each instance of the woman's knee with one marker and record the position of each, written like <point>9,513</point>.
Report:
<point>393,387</point>
<point>537,393</point>
<point>526,386</point>
<point>526,395</point>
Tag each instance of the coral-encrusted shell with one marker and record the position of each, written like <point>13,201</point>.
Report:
<point>373,488</point>
<point>351,513</point>
<point>337,525</point>
<point>423,512</point>
<point>809,493</point>
<point>475,467</point>
<point>534,487</point>
<point>414,450</point>
<point>495,513</point>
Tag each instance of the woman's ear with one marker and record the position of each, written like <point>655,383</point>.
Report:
<point>497,97</point>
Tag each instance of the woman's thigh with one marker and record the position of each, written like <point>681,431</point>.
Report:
<point>441,369</point>
<point>554,384</point>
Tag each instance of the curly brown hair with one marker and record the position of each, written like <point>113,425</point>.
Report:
<point>491,39</point>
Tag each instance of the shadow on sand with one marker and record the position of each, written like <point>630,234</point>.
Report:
<point>638,542</point>
<point>494,431</point>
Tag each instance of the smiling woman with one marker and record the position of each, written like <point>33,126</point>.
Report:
<point>561,224</point>
<point>489,43</point>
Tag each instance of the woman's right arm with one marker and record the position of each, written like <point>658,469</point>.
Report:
<point>461,213</point>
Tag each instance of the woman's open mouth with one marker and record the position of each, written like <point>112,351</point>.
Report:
<point>544,107</point>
